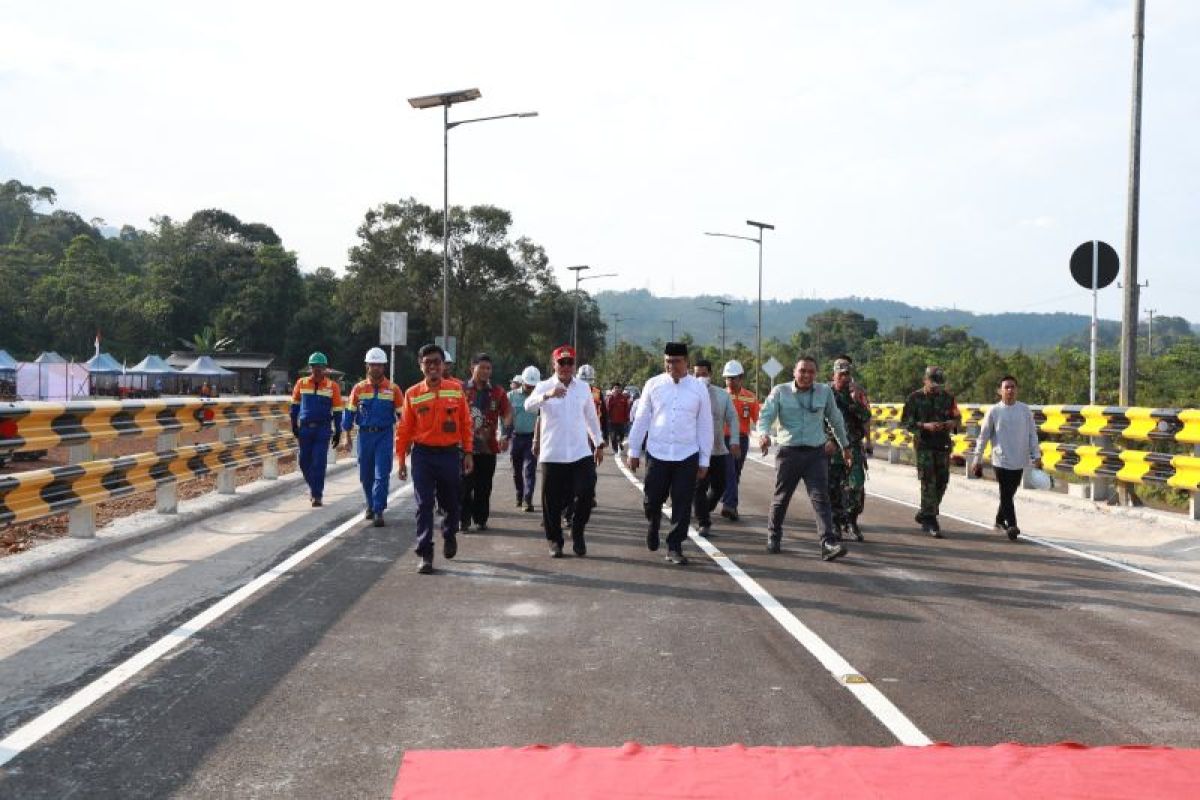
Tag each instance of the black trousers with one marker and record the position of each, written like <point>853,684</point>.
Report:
<point>678,480</point>
<point>566,485</point>
<point>711,489</point>
<point>1010,481</point>
<point>477,490</point>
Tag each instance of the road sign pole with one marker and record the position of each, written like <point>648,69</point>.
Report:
<point>1095,320</point>
<point>392,366</point>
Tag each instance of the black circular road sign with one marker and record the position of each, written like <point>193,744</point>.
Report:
<point>1081,265</point>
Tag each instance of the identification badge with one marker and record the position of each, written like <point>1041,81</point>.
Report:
<point>449,426</point>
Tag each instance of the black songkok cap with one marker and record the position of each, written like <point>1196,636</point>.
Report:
<point>675,349</point>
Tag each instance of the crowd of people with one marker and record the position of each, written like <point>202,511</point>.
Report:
<point>692,435</point>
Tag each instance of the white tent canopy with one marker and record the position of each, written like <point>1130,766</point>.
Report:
<point>103,364</point>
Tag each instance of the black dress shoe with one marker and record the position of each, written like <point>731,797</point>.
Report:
<point>729,514</point>
<point>935,528</point>
<point>529,506</point>
<point>652,541</point>
<point>556,549</point>
<point>316,502</point>
<point>425,567</point>
<point>578,546</point>
<point>831,550</point>
<point>1013,532</point>
<point>450,546</point>
<point>854,530</point>
<point>774,544</point>
<point>378,519</point>
<point>368,514</point>
<point>704,530</point>
<point>677,557</point>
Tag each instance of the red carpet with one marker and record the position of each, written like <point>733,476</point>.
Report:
<point>1003,772</point>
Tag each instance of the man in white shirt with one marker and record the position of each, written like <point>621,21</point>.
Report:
<point>674,419</point>
<point>1009,426</point>
<point>567,419</point>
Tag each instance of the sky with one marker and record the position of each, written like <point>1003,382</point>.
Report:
<point>938,152</point>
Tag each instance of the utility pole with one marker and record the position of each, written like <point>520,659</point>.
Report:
<point>1130,316</point>
<point>616,318</point>
<point>724,304</point>
<point>1150,312</point>
<point>672,323</point>
<point>904,330</point>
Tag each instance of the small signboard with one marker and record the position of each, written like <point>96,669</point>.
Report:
<point>393,328</point>
<point>772,367</point>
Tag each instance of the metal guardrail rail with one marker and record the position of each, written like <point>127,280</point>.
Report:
<point>1101,457</point>
<point>86,481</point>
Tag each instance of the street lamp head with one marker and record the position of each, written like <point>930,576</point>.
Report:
<point>526,114</point>
<point>444,98</point>
<point>760,225</point>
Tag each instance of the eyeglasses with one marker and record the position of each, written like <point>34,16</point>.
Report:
<point>566,362</point>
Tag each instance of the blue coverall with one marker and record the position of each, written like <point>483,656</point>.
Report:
<point>374,408</point>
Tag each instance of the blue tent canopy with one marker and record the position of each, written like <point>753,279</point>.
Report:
<point>7,362</point>
<point>104,364</point>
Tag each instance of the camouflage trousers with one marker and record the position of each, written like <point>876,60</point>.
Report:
<point>846,485</point>
<point>933,468</point>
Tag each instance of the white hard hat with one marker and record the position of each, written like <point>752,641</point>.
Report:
<point>516,379</point>
<point>531,376</point>
<point>375,356</point>
<point>733,369</point>
<point>587,373</point>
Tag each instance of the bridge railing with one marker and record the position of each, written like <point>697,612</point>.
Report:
<point>85,481</point>
<point>1105,444</point>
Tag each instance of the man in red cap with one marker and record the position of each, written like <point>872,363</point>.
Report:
<point>567,421</point>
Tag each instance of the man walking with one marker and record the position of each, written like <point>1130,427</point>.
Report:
<point>745,404</point>
<point>567,422</point>
<point>848,479</point>
<point>374,404</point>
<point>1010,428</point>
<point>931,415</point>
<point>712,486</point>
<point>520,433</point>
<point>435,421</point>
<point>316,411</point>
<point>674,420</point>
<point>489,409</point>
<point>616,406</point>
<point>804,409</point>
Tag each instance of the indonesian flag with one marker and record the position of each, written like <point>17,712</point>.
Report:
<point>97,342</point>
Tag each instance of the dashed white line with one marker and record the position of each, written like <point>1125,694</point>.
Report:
<point>49,721</point>
<point>863,690</point>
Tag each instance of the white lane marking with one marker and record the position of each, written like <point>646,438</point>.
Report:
<point>1145,573</point>
<point>866,693</point>
<point>47,722</point>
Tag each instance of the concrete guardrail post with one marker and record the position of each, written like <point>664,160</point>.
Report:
<point>1194,499</point>
<point>1103,489</point>
<point>270,464</point>
<point>972,434</point>
<point>81,521</point>
<point>226,478</point>
<point>166,496</point>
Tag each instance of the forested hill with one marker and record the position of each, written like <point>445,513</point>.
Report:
<point>645,318</point>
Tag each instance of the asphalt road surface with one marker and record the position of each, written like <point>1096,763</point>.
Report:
<point>315,686</point>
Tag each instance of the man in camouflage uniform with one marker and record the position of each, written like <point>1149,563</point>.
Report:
<point>847,482</point>
<point>931,415</point>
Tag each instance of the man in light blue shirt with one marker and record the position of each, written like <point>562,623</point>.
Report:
<point>520,434</point>
<point>807,413</point>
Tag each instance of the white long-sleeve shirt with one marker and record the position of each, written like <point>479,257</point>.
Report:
<point>678,418</point>
<point>566,422</point>
<point>1013,435</point>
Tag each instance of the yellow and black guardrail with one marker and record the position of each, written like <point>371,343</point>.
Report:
<point>40,493</point>
<point>40,426</point>
<point>1127,465</point>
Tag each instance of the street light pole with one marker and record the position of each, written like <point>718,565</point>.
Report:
<point>723,305</point>
<point>445,100</point>
<point>575,316</point>
<point>758,344</point>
